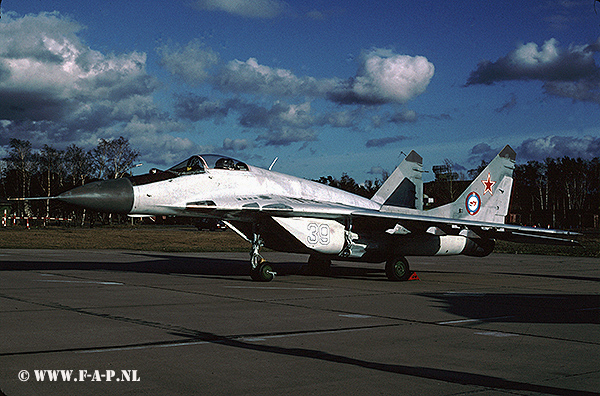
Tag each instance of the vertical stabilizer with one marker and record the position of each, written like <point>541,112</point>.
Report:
<point>487,197</point>
<point>404,187</point>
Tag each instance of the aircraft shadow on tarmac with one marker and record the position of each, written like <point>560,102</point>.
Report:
<point>521,308</point>
<point>518,308</point>
<point>175,264</point>
<point>504,307</point>
<point>444,375</point>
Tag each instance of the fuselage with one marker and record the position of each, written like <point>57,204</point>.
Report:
<point>228,186</point>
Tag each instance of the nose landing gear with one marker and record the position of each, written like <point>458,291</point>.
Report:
<point>261,271</point>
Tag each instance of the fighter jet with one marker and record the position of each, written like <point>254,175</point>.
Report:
<point>290,214</point>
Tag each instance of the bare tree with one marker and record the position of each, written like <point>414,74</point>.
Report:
<point>79,164</point>
<point>21,160</point>
<point>51,163</point>
<point>113,158</point>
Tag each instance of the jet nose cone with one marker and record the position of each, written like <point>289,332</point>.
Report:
<point>113,196</point>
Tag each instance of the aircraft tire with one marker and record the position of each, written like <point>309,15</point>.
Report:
<point>397,269</point>
<point>262,273</point>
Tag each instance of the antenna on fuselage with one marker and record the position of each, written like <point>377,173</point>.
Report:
<point>273,163</point>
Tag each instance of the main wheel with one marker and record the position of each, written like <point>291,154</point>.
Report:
<point>397,269</point>
<point>262,273</point>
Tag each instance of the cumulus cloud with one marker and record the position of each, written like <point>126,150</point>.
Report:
<point>342,119</point>
<point>50,75</point>
<point>279,125</point>
<point>538,149</point>
<point>482,152</point>
<point>198,108</point>
<point>509,105</point>
<point>287,136</point>
<point>56,90</point>
<point>382,77</point>
<point>385,141</point>
<point>236,144</point>
<point>285,123</point>
<point>252,77</point>
<point>192,63</point>
<point>529,62</point>
<point>583,91</point>
<point>281,116</point>
<point>586,147</point>
<point>156,146</point>
<point>377,170</point>
<point>385,77</point>
<point>566,72</point>
<point>404,116</point>
<point>245,8</point>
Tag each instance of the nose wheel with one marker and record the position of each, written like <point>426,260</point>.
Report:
<point>261,271</point>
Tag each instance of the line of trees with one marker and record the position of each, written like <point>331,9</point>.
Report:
<point>556,193</point>
<point>27,173</point>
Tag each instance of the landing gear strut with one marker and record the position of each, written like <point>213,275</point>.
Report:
<point>397,269</point>
<point>261,271</point>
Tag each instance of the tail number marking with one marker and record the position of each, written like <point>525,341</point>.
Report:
<point>318,233</point>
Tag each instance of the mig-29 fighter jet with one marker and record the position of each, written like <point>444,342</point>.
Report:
<point>290,214</point>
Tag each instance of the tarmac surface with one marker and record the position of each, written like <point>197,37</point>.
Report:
<point>137,323</point>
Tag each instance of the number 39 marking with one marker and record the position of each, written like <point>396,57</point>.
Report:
<point>318,233</point>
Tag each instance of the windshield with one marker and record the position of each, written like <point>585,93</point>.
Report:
<point>199,164</point>
<point>216,161</point>
<point>190,166</point>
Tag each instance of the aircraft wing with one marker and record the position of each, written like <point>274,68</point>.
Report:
<point>409,223</point>
<point>248,208</point>
<point>243,208</point>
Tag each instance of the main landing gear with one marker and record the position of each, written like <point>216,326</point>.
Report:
<point>261,271</point>
<point>397,269</point>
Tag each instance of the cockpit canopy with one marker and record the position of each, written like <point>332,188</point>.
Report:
<point>200,163</point>
<point>196,164</point>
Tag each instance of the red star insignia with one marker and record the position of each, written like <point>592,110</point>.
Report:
<point>488,184</point>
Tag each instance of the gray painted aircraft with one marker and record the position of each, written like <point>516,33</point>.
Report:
<point>290,214</point>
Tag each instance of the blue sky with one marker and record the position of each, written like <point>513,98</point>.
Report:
<point>326,86</point>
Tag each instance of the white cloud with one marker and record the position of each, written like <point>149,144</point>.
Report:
<point>566,72</point>
<point>538,149</point>
<point>404,116</point>
<point>383,77</point>
<point>529,54</point>
<point>381,142</point>
<point>287,136</point>
<point>386,77</point>
<point>245,8</point>
<point>192,63</point>
<point>236,144</point>
<point>252,77</point>
<point>586,147</point>
<point>56,90</point>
